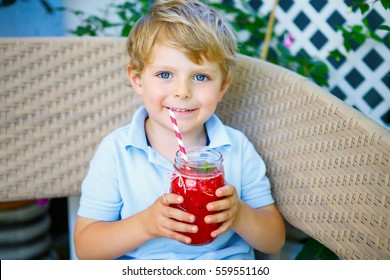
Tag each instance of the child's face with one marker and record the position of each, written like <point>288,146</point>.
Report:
<point>171,80</point>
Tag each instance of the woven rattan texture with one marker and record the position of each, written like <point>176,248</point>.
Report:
<point>328,164</point>
<point>58,98</point>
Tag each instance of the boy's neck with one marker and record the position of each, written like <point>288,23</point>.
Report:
<point>164,140</point>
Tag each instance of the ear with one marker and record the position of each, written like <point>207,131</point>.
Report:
<point>224,89</point>
<point>135,80</point>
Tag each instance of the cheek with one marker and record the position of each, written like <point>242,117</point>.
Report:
<point>154,99</point>
<point>151,92</point>
<point>209,96</point>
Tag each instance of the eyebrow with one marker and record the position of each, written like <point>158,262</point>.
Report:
<point>169,67</point>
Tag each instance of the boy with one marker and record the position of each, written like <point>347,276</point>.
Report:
<point>182,57</point>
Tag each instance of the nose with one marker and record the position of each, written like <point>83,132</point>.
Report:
<point>182,95</point>
<point>183,91</point>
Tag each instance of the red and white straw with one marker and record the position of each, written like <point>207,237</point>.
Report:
<point>178,134</point>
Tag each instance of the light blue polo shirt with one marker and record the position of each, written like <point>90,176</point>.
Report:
<point>126,176</point>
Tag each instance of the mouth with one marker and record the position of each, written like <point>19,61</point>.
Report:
<point>180,110</point>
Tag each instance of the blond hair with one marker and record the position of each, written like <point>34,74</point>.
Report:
<point>190,26</point>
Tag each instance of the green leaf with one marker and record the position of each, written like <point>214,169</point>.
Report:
<point>125,30</point>
<point>375,36</point>
<point>384,27</point>
<point>358,38</point>
<point>347,45</point>
<point>314,250</point>
<point>385,4</point>
<point>319,73</point>
<point>337,55</point>
<point>81,31</point>
<point>366,23</point>
<point>206,168</point>
<point>341,28</point>
<point>364,8</point>
<point>122,15</point>
<point>357,28</point>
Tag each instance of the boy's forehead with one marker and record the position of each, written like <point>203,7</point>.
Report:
<point>164,54</point>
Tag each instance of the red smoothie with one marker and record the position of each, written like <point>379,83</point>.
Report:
<point>197,193</point>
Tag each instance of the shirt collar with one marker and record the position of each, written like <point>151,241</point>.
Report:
<point>216,131</point>
<point>217,134</point>
<point>136,136</point>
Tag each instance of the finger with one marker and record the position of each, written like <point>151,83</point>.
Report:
<point>219,217</point>
<point>176,236</point>
<point>222,229</point>
<point>170,198</point>
<point>178,214</point>
<point>220,205</point>
<point>226,190</point>
<point>173,225</point>
<point>165,201</point>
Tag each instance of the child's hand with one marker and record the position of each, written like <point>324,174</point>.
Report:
<point>166,221</point>
<point>227,209</point>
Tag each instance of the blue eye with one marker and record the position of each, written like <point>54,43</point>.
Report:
<point>200,78</point>
<point>164,75</point>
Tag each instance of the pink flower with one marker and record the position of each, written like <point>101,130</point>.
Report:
<point>42,201</point>
<point>288,40</point>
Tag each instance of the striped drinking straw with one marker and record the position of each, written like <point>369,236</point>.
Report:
<point>178,135</point>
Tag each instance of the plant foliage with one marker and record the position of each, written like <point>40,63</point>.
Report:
<point>250,25</point>
<point>314,250</point>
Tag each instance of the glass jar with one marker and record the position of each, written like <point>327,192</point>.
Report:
<point>196,180</point>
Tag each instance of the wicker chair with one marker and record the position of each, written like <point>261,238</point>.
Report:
<point>328,163</point>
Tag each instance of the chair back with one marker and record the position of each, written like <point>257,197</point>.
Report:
<point>329,164</point>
